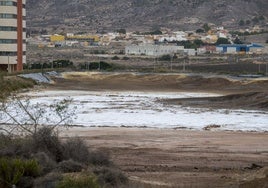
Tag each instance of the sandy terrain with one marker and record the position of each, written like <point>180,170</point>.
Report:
<point>181,158</point>
<point>178,158</point>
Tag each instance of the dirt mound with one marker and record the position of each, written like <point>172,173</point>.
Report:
<point>259,179</point>
<point>157,82</point>
<point>251,100</point>
<point>206,83</point>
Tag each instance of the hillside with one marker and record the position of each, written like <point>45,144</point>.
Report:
<point>109,15</point>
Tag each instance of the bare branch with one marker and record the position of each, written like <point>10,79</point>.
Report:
<point>26,116</point>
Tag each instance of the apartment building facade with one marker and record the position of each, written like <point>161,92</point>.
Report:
<point>12,35</point>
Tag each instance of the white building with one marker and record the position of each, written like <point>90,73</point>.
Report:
<point>12,35</point>
<point>153,50</point>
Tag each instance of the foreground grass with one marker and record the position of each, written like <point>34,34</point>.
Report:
<point>13,83</point>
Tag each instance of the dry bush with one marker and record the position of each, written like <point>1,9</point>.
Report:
<point>110,177</point>
<point>46,163</point>
<point>99,158</point>
<point>48,181</point>
<point>81,181</point>
<point>69,166</point>
<point>47,140</point>
<point>76,149</point>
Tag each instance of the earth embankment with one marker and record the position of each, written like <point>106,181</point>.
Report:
<point>237,93</point>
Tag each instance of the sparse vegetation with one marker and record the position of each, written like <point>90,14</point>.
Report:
<point>48,65</point>
<point>47,154</point>
<point>241,23</point>
<point>115,58</point>
<point>155,32</point>
<point>78,182</point>
<point>222,41</point>
<point>206,27</point>
<point>200,31</point>
<point>125,58</point>
<point>165,58</point>
<point>9,84</point>
<point>121,31</point>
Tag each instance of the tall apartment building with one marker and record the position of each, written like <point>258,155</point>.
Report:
<point>12,35</point>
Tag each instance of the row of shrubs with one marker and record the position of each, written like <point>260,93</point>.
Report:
<point>48,65</point>
<point>102,65</point>
<point>43,160</point>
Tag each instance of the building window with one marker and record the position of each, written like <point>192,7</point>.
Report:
<point>8,3</point>
<point>8,41</point>
<point>3,53</point>
<point>8,16</point>
<point>8,53</point>
<point>5,28</point>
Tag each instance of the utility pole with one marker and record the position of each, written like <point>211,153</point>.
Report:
<point>8,68</point>
<point>266,69</point>
<point>171,59</point>
<point>99,64</point>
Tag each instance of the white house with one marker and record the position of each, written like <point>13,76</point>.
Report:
<point>153,50</point>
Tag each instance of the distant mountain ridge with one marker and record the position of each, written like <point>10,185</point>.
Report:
<point>138,15</point>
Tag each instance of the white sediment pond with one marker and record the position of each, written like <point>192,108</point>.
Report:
<point>142,109</point>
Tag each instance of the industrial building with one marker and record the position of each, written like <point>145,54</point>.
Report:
<point>153,50</point>
<point>239,48</point>
<point>12,35</point>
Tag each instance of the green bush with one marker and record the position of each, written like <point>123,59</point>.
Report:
<point>165,58</point>
<point>125,58</point>
<point>115,58</point>
<point>82,181</point>
<point>12,170</point>
<point>31,168</point>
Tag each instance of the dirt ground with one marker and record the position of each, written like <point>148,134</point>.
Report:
<point>182,158</point>
<point>178,157</point>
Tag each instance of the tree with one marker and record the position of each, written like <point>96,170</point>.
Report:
<point>222,41</point>
<point>165,58</point>
<point>241,23</point>
<point>237,41</point>
<point>261,18</point>
<point>200,31</point>
<point>121,31</point>
<point>255,20</point>
<point>198,42</point>
<point>21,115</point>
<point>206,27</point>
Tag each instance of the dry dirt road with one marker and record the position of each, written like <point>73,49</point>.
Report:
<point>178,158</point>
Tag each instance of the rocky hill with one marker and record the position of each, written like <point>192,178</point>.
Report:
<point>141,15</point>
